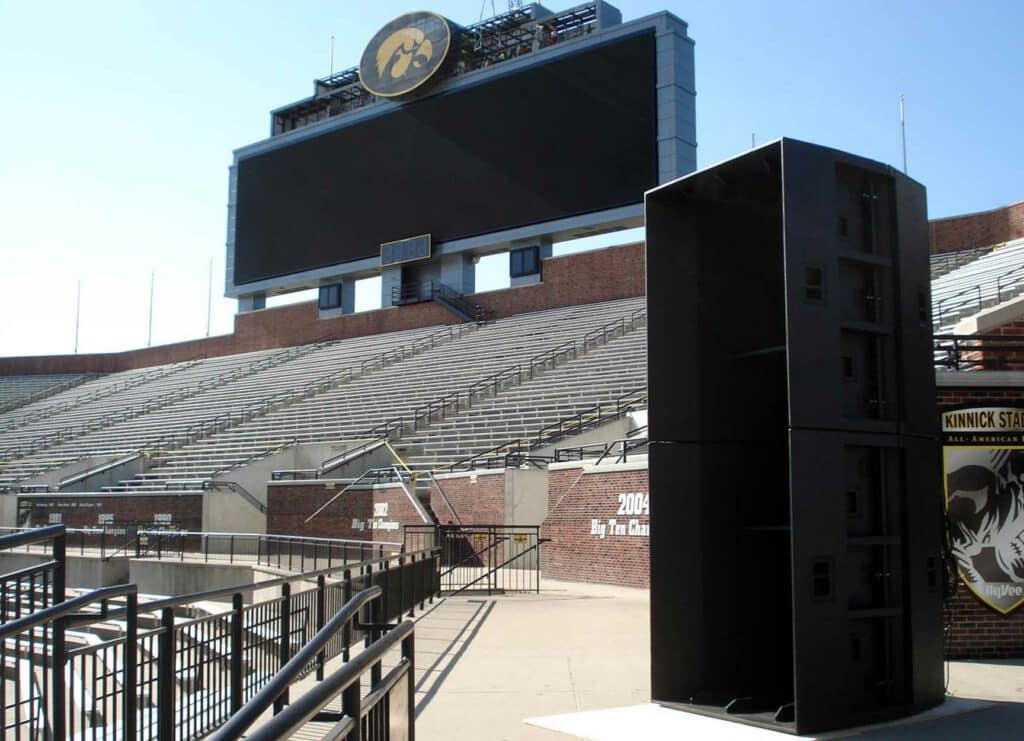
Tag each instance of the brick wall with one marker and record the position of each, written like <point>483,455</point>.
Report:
<point>185,510</point>
<point>356,514</point>
<point>978,229</point>
<point>478,499</point>
<point>977,630</point>
<point>579,506</point>
<point>951,396</point>
<point>587,277</point>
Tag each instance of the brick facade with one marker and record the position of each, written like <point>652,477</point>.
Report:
<point>584,278</point>
<point>580,505</point>
<point>478,499</point>
<point>978,229</point>
<point>976,630</point>
<point>185,510</point>
<point>374,513</point>
<point>979,632</point>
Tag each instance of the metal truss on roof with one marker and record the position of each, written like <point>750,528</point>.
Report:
<point>492,41</point>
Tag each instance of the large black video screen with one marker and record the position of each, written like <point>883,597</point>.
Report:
<point>569,137</point>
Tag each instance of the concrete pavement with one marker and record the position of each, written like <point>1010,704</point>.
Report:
<point>484,664</point>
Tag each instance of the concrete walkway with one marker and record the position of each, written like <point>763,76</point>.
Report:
<point>485,664</point>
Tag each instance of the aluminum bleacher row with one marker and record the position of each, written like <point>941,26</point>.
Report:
<point>204,417</point>
<point>172,404</point>
<point>16,391</point>
<point>996,276</point>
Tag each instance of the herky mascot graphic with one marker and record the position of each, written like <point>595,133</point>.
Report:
<point>985,503</point>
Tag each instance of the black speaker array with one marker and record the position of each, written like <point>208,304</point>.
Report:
<point>795,492</point>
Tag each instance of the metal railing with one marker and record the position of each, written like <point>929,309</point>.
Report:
<point>974,297</point>
<point>513,375</point>
<point>101,666</point>
<point>374,711</point>
<point>618,450</point>
<point>518,451</point>
<point>106,541</point>
<point>289,552</point>
<point>492,558</point>
<point>978,352</point>
<point>47,391</point>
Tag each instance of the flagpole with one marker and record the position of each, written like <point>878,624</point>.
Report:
<point>78,311</point>
<point>209,298</point>
<point>903,133</point>
<point>149,337</point>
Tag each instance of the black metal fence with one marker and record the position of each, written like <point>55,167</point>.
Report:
<point>978,352</point>
<point>101,666</point>
<point>486,558</point>
<point>291,552</point>
<point>144,540</point>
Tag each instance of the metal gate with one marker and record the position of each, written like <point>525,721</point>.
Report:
<point>495,559</point>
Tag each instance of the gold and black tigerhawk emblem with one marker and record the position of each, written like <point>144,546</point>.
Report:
<point>404,54</point>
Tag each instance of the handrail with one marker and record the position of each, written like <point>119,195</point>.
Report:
<point>238,489</point>
<point>306,707</point>
<point>976,347</point>
<point>977,289</point>
<point>64,609</point>
<point>97,469</point>
<point>288,673</point>
<point>398,423</point>
<point>331,463</point>
<point>541,359</point>
<point>164,400</point>
<point>30,537</point>
<point>999,281</point>
<point>586,418</point>
<point>48,391</point>
<point>275,536</point>
<point>212,594</point>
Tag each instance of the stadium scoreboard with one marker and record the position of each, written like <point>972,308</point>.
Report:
<point>550,137</point>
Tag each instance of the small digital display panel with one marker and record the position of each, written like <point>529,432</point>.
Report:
<point>405,250</point>
<point>569,137</point>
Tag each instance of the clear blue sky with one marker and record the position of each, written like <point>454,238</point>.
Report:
<point>117,122</point>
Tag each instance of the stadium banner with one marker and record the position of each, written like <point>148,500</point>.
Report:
<point>983,466</point>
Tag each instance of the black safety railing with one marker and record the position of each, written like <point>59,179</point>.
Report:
<point>100,666</point>
<point>616,451</point>
<point>56,683</point>
<point>106,541</point>
<point>356,717</point>
<point>291,552</point>
<point>976,297</point>
<point>490,558</point>
<point>518,451</point>
<point>978,352</point>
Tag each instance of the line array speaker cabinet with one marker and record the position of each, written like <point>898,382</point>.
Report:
<point>795,493</point>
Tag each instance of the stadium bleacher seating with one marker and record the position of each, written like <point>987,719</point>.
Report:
<point>161,407</point>
<point>353,410</point>
<point>16,391</point>
<point>204,417</point>
<point>998,275</point>
<point>941,263</point>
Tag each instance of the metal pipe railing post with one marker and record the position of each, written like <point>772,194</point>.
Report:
<point>346,631</point>
<point>131,657</point>
<point>59,656</point>
<point>321,618</point>
<point>237,618</point>
<point>284,648</point>
<point>350,703</point>
<point>165,678</point>
<point>409,654</point>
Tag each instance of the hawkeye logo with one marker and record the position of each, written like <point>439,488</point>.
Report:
<point>405,54</point>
